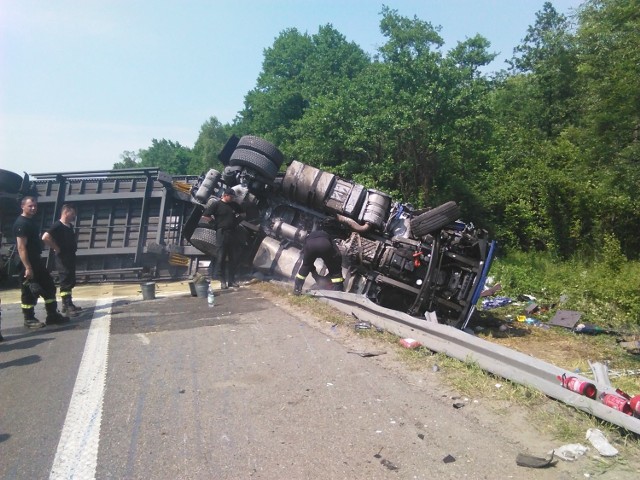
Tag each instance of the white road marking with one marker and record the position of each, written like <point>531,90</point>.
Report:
<point>77,453</point>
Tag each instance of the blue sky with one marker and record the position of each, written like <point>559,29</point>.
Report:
<point>81,81</point>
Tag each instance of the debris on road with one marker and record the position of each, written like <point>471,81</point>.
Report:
<point>410,343</point>
<point>368,354</point>
<point>570,452</point>
<point>530,461</point>
<point>600,443</point>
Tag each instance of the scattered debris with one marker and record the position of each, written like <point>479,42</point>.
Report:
<point>531,308</point>
<point>600,443</point>
<point>526,298</point>
<point>631,347</point>
<point>495,302</point>
<point>410,343</point>
<point>362,326</point>
<point>565,318</point>
<point>449,459</point>
<point>570,452</point>
<point>421,436</point>
<point>368,354</point>
<point>490,292</point>
<point>435,368</point>
<point>530,461</point>
<point>458,405</point>
<point>389,465</point>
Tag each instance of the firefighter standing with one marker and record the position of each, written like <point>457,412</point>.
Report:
<point>61,238</point>
<point>35,279</point>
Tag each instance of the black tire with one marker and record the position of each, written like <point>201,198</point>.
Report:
<point>257,144</point>
<point>255,161</point>
<point>434,219</point>
<point>204,239</point>
<point>10,182</point>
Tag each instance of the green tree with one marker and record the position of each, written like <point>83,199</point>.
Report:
<point>212,138</point>
<point>168,156</point>
<point>128,159</point>
<point>609,45</point>
<point>296,70</point>
<point>548,59</point>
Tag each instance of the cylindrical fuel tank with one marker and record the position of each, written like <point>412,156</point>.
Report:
<point>208,184</point>
<point>306,184</point>
<point>376,208</point>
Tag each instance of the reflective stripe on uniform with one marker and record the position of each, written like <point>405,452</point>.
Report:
<point>50,300</point>
<point>301,277</point>
<point>26,307</point>
<point>337,280</point>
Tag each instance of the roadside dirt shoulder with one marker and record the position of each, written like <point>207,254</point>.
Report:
<point>502,419</point>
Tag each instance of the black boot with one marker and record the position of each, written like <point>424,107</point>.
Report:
<point>53,316</point>
<point>68,308</point>
<point>297,286</point>
<point>74,308</point>
<point>30,320</point>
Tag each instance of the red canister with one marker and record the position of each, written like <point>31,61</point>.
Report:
<point>579,386</point>
<point>616,402</point>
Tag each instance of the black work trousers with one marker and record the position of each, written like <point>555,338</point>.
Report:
<point>66,265</point>
<point>225,267</point>
<point>41,285</point>
<point>325,249</point>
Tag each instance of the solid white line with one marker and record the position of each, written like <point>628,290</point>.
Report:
<point>77,453</point>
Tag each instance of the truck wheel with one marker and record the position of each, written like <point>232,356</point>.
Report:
<point>434,219</point>
<point>9,182</point>
<point>258,145</point>
<point>204,239</point>
<point>254,161</point>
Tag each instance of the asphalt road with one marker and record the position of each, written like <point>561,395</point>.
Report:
<point>172,389</point>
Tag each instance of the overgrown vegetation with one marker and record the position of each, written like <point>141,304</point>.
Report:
<point>545,155</point>
<point>606,292</point>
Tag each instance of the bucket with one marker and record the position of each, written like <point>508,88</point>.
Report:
<point>148,290</point>
<point>201,289</point>
<point>192,289</point>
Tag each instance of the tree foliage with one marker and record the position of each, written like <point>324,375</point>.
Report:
<point>545,154</point>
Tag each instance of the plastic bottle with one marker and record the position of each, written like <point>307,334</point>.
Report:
<point>575,385</point>
<point>211,299</point>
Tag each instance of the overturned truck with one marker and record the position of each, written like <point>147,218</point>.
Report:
<point>413,261</point>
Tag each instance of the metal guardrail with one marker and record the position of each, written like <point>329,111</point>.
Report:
<point>504,362</point>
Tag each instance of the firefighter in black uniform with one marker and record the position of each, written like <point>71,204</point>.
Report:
<point>319,244</point>
<point>61,238</point>
<point>34,278</point>
<point>226,214</point>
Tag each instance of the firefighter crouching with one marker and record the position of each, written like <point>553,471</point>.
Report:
<point>319,244</point>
